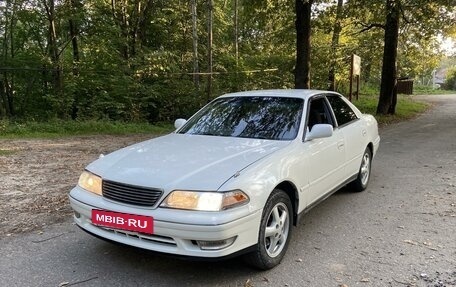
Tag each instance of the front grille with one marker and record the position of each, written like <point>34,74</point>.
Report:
<point>131,194</point>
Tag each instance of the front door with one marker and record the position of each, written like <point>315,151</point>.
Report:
<point>326,155</point>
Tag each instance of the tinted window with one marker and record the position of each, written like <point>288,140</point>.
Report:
<point>275,118</point>
<point>318,113</point>
<point>342,111</point>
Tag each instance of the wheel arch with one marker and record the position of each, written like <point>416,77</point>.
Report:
<point>290,189</point>
<point>370,145</point>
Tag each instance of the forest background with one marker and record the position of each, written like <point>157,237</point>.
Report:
<point>157,60</point>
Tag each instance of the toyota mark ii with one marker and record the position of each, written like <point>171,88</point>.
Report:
<point>231,180</point>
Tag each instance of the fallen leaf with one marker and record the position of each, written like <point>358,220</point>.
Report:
<point>248,283</point>
<point>298,260</point>
<point>64,284</point>
<point>410,242</point>
<point>364,280</point>
<point>343,285</point>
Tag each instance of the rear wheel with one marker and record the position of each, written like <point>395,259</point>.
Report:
<point>275,232</point>
<point>361,182</point>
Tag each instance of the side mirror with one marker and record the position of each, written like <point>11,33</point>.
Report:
<point>319,131</point>
<point>179,123</point>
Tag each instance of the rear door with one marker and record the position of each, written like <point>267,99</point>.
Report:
<point>353,130</point>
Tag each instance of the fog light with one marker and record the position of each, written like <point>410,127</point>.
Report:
<point>77,214</point>
<point>215,245</point>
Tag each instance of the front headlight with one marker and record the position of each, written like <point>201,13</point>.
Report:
<point>90,182</point>
<point>205,201</point>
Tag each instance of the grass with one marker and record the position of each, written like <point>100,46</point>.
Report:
<point>406,108</point>
<point>5,152</point>
<point>426,90</point>
<point>60,128</point>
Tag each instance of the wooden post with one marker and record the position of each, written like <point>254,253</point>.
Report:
<point>351,77</point>
<point>357,87</point>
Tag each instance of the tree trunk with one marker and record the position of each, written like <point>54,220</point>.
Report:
<point>73,27</point>
<point>236,41</point>
<point>57,81</point>
<point>52,36</point>
<point>334,42</point>
<point>5,97</point>
<point>195,45</point>
<point>9,97</point>
<point>209,48</point>
<point>2,99</point>
<point>7,85</point>
<point>74,38</point>
<point>119,13</point>
<point>236,32</point>
<point>386,103</point>
<point>303,29</point>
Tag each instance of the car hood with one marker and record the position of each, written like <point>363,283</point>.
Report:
<point>179,161</point>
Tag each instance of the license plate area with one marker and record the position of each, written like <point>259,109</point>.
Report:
<point>124,221</point>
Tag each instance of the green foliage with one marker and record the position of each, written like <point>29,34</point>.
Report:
<point>135,58</point>
<point>6,152</point>
<point>450,81</point>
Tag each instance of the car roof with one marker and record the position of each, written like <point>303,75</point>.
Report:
<point>289,93</point>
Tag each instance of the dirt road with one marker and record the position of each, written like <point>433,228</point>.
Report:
<point>400,232</point>
<point>36,176</point>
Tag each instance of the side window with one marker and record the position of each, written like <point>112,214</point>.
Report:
<point>318,113</point>
<point>344,114</point>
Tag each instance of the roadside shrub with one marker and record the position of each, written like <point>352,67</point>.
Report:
<point>450,81</point>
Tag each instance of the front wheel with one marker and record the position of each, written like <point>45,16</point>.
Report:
<point>275,232</point>
<point>361,182</point>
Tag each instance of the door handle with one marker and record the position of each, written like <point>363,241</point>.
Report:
<point>340,145</point>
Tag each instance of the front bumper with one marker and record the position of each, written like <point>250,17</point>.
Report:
<point>171,237</point>
<point>376,145</point>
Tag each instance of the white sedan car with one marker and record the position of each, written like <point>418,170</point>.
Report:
<point>231,180</point>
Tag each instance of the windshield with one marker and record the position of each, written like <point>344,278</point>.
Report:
<point>274,118</point>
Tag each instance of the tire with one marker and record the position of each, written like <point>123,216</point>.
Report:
<point>275,232</point>
<point>361,182</point>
